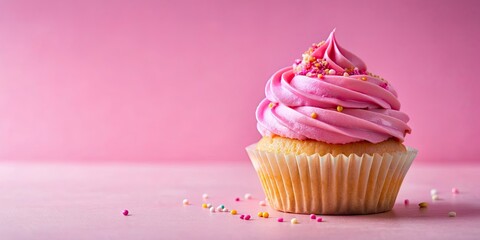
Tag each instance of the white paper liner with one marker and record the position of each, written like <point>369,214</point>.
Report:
<point>331,184</point>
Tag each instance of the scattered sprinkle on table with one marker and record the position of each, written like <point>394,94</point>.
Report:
<point>455,191</point>
<point>262,203</point>
<point>423,205</point>
<point>242,216</point>
<point>406,202</point>
<point>204,205</point>
<point>237,199</point>
<point>233,212</point>
<point>452,214</point>
<point>125,212</point>
<point>186,202</point>
<point>433,192</point>
<point>313,216</point>
<point>435,197</point>
<point>279,219</point>
<point>205,196</point>
<point>294,221</point>
<point>248,196</point>
<point>319,219</point>
<point>265,214</point>
<point>247,217</point>
<point>260,214</point>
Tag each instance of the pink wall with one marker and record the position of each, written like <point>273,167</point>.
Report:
<point>180,80</point>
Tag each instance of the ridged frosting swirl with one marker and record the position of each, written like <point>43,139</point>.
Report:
<point>329,96</point>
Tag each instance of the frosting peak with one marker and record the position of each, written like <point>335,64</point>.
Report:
<point>337,57</point>
<point>329,96</point>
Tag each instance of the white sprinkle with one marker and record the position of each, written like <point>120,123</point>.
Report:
<point>212,209</point>
<point>186,202</point>
<point>332,72</point>
<point>345,74</point>
<point>435,197</point>
<point>248,196</point>
<point>294,221</point>
<point>433,192</point>
<point>205,196</point>
<point>225,210</point>
<point>209,205</point>
<point>262,203</point>
<point>219,209</point>
<point>452,214</point>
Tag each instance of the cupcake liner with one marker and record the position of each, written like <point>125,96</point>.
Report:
<point>331,184</point>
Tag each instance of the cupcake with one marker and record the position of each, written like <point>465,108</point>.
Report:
<point>332,138</point>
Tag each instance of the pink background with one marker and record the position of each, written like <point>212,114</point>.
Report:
<point>165,81</point>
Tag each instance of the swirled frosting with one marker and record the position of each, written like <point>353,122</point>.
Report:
<point>329,96</point>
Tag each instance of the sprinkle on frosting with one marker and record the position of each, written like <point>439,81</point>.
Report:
<point>271,105</point>
<point>339,108</point>
<point>314,115</point>
<point>363,78</point>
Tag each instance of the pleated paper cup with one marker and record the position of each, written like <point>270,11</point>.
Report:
<point>341,185</point>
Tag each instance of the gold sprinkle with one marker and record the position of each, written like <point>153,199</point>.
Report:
<point>271,105</point>
<point>320,76</point>
<point>314,115</point>
<point>339,108</point>
<point>363,78</point>
<point>423,205</point>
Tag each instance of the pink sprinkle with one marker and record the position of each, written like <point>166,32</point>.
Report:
<point>125,212</point>
<point>280,220</point>
<point>242,216</point>
<point>313,216</point>
<point>237,199</point>
<point>247,217</point>
<point>319,219</point>
<point>406,202</point>
<point>455,191</point>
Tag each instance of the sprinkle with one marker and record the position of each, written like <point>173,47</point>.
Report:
<point>209,205</point>
<point>237,199</point>
<point>455,191</point>
<point>433,192</point>
<point>313,216</point>
<point>294,221</point>
<point>265,214</point>
<point>332,72</point>
<point>363,78</point>
<point>423,205</point>
<point>204,205</point>
<point>319,219</point>
<point>262,203</point>
<point>345,74</point>
<point>212,209</point>
<point>406,202</point>
<point>452,214</point>
<point>225,210</point>
<point>186,202</point>
<point>279,219</point>
<point>222,206</point>
<point>320,76</point>
<point>219,209</point>
<point>242,216</point>
<point>270,105</point>
<point>205,196</point>
<point>435,197</point>
<point>260,214</point>
<point>339,108</point>
<point>233,212</point>
<point>314,115</point>
<point>247,217</point>
<point>248,196</point>
<point>125,212</point>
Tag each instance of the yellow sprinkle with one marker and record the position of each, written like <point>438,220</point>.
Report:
<point>271,105</point>
<point>233,212</point>
<point>363,78</point>
<point>314,115</point>
<point>204,205</point>
<point>265,214</point>
<point>423,205</point>
<point>260,214</point>
<point>339,108</point>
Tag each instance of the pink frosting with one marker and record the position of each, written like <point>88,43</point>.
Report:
<point>370,105</point>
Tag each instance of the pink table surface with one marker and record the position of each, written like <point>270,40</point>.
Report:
<point>59,201</point>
